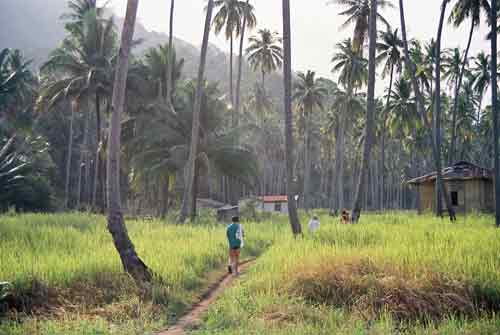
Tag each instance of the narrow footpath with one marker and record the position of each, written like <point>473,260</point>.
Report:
<point>193,317</point>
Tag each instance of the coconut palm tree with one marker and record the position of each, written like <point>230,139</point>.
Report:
<point>481,75</point>
<point>308,95</point>
<point>265,53</point>
<point>229,17</point>
<point>289,145</point>
<point>370,112</point>
<point>494,104</point>
<point>189,189</point>
<point>390,56</point>
<point>352,75</point>
<point>358,13</point>
<point>171,60</point>
<point>131,262</point>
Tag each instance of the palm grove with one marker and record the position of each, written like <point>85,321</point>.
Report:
<point>101,128</point>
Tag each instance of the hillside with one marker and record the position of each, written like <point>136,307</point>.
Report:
<point>35,27</point>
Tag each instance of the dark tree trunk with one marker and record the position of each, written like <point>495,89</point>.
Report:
<point>240,68</point>
<point>370,114</point>
<point>187,209</point>
<point>170,64</point>
<point>289,147</point>
<point>494,109</point>
<point>116,225</point>
<point>382,148</point>
<point>98,150</point>
<point>74,108</point>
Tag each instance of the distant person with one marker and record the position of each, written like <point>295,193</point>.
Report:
<point>234,235</point>
<point>345,218</point>
<point>314,224</point>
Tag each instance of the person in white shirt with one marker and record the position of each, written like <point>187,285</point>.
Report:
<point>314,224</point>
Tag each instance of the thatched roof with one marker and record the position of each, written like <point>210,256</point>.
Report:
<point>459,171</point>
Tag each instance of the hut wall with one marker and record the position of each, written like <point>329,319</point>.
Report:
<point>461,188</point>
<point>426,197</point>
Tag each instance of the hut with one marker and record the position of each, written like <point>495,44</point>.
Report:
<point>470,188</point>
<point>274,203</point>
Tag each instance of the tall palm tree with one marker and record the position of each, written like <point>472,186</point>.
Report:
<point>309,94</point>
<point>171,60</point>
<point>466,10</point>
<point>358,13</point>
<point>249,22</point>
<point>452,71</point>
<point>390,56</point>
<point>116,224</point>
<point>370,112</point>
<point>494,104</point>
<point>188,204</point>
<point>289,146</point>
<point>352,71</point>
<point>265,53</point>
<point>229,18</point>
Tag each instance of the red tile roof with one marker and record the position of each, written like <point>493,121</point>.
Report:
<point>274,198</point>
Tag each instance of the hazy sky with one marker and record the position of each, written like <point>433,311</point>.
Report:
<point>315,25</point>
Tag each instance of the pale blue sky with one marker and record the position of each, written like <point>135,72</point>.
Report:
<point>315,25</point>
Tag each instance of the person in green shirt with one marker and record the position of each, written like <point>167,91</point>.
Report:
<point>234,233</point>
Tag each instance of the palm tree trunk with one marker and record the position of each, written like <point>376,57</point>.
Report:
<point>231,91</point>
<point>116,225</point>
<point>87,184</point>
<point>307,165</point>
<point>74,107</point>
<point>370,114</point>
<point>382,149</point>
<point>289,147</point>
<point>240,68</point>
<point>420,100</point>
<point>83,160</point>
<point>187,205</point>
<point>457,94</point>
<point>170,64</point>
<point>494,109</point>
<point>98,150</point>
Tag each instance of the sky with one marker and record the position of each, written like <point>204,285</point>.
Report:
<point>316,26</point>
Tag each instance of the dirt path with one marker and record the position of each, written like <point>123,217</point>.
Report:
<point>193,317</point>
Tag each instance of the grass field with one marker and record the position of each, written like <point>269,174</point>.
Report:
<point>396,273</point>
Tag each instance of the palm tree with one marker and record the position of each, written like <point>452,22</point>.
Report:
<point>370,112</point>
<point>171,60</point>
<point>452,71</point>
<point>265,53</point>
<point>390,55</point>
<point>157,62</point>
<point>494,104</point>
<point>189,189</point>
<point>289,147</point>
<point>481,75</point>
<point>229,18</point>
<point>11,167</point>
<point>352,70</point>
<point>358,12</point>
<point>463,10</point>
<point>116,225</point>
<point>309,94</point>
<point>249,21</point>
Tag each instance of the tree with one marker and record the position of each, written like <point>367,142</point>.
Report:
<point>249,22</point>
<point>116,225</point>
<point>412,70</point>
<point>358,12</point>
<point>309,94</point>
<point>265,53</point>
<point>481,74</point>
<point>390,55</point>
<point>352,70</point>
<point>370,113</point>
<point>463,10</point>
<point>189,188</point>
<point>229,17</point>
<point>171,60</point>
<point>289,146</point>
<point>494,105</point>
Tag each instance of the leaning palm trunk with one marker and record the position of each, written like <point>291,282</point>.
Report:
<point>74,108</point>
<point>494,108</point>
<point>420,101</point>
<point>370,114</point>
<point>240,69</point>
<point>187,203</point>
<point>116,225</point>
<point>458,86</point>
<point>287,69</point>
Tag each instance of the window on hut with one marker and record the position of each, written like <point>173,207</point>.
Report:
<point>454,198</point>
<point>277,207</point>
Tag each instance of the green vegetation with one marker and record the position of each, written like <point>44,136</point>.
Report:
<point>393,272</point>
